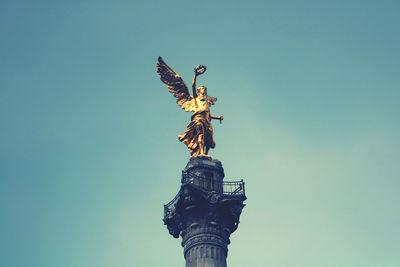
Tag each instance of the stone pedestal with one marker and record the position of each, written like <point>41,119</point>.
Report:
<point>205,212</point>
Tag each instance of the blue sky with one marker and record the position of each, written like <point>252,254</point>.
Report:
<point>88,133</point>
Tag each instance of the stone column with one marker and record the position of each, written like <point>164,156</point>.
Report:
<point>205,213</point>
<point>205,247</point>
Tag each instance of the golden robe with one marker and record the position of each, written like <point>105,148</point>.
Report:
<point>200,126</point>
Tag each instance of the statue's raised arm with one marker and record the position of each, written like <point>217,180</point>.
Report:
<point>199,133</point>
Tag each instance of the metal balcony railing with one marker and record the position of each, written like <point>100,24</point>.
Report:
<point>235,188</point>
<point>226,188</point>
<point>170,206</point>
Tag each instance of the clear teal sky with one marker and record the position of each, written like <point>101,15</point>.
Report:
<point>88,133</point>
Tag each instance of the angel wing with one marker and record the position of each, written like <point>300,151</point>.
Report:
<point>176,85</point>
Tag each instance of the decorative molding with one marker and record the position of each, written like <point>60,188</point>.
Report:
<point>205,239</point>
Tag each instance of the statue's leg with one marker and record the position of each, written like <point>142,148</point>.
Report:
<point>201,144</point>
<point>200,139</point>
<point>208,140</point>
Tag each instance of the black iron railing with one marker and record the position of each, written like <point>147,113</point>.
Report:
<point>235,188</point>
<point>170,206</point>
<point>226,188</point>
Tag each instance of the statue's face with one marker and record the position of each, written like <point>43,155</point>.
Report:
<point>202,91</point>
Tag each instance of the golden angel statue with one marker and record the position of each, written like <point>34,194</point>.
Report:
<point>199,133</point>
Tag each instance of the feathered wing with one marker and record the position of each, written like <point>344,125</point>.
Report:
<point>176,85</point>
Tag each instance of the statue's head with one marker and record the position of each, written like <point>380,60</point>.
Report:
<point>201,91</point>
